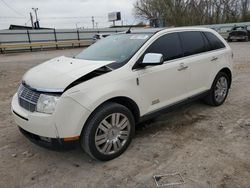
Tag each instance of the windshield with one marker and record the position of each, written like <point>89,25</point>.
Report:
<point>118,48</point>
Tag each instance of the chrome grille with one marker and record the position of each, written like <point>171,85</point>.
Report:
<point>27,98</point>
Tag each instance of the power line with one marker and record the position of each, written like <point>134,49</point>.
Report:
<point>27,21</point>
<point>72,17</point>
<point>52,17</point>
<point>12,17</point>
<point>44,18</point>
<point>12,8</point>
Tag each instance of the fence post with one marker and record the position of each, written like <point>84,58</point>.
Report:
<point>55,38</point>
<point>78,37</point>
<point>28,33</point>
<point>1,49</point>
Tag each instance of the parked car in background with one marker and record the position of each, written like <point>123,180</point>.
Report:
<point>239,33</point>
<point>100,36</point>
<point>96,98</point>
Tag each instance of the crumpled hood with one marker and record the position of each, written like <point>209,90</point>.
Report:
<point>56,74</point>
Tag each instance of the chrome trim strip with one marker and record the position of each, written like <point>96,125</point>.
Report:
<point>47,90</point>
<point>44,90</point>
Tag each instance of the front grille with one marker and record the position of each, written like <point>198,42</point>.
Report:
<point>27,98</point>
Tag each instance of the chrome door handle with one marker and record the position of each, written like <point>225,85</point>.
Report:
<point>182,67</point>
<point>214,59</point>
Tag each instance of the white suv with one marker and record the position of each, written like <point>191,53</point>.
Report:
<point>96,98</point>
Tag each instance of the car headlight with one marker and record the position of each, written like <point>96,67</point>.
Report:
<point>46,103</point>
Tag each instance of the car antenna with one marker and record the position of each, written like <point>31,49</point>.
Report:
<point>129,29</point>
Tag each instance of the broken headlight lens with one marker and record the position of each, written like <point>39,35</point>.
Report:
<point>46,103</point>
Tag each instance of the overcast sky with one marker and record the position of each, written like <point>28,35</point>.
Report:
<point>64,13</point>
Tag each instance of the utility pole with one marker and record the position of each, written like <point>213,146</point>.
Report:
<point>35,10</point>
<point>93,21</point>
<point>77,25</point>
<point>31,19</point>
<point>37,26</point>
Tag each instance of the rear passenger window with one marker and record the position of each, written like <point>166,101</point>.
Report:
<point>215,42</point>
<point>169,45</point>
<point>192,42</point>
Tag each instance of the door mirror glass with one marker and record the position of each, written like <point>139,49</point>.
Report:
<point>152,59</point>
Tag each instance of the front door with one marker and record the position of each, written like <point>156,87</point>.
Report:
<point>165,84</point>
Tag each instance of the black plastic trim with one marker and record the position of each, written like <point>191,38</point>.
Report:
<point>57,144</point>
<point>95,73</point>
<point>172,107</point>
<point>26,119</point>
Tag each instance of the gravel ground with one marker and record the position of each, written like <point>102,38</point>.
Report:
<point>209,147</point>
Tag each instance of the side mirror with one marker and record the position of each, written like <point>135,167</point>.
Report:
<point>152,59</point>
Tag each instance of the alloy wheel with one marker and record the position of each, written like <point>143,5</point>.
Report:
<point>221,89</point>
<point>112,133</point>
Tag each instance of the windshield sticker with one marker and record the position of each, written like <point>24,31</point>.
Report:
<point>139,37</point>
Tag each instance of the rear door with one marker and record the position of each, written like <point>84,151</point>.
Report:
<point>198,59</point>
<point>216,55</point>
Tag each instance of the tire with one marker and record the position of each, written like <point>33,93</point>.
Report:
<point>108,132</point>
<point>229,40</point>
<point>217,97</point>
<point>247,39</point>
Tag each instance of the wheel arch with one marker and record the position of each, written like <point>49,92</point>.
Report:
<point>228,72</point>
<point>122,100</point>
<point>129,103</point>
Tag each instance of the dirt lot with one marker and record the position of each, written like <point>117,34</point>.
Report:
<point>209,146</point>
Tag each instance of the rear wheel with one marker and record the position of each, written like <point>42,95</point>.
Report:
<point>108,132</point>
<point>219,91</point>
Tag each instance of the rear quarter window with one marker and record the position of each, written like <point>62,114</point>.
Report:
<point>214,41</point>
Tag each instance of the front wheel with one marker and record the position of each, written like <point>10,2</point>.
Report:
<point>219,91</point>
<point>108,132</point>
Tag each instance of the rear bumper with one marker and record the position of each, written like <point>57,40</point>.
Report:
<point>238,37</point>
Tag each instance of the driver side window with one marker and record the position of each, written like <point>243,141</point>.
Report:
<point>168,45</point>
